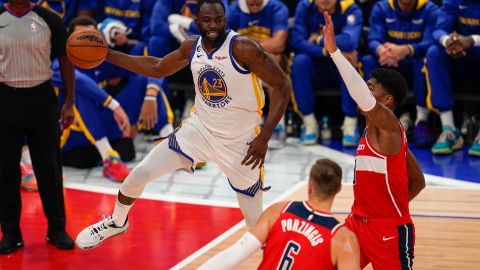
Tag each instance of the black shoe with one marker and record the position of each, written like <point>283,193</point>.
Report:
<point>10,244</point>
<point>60,239</point>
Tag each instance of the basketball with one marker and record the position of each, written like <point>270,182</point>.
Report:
<point>87,48</point>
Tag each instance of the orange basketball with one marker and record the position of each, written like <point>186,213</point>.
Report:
<point>87,48</point>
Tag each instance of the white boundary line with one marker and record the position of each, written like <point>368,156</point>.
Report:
<point>152,196</point>
<point>232,230</point>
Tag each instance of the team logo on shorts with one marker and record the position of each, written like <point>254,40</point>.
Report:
<point>212,86</point>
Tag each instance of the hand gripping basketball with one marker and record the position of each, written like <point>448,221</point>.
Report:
<point>87,48</point>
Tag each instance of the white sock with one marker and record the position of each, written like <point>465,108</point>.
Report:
<point>422,114</point>
<point>349,125</point>
<point>120,212</point>
<point>310,122</point>
<point>26,159</point>
<point>447,119</point>
<point>103,145</point>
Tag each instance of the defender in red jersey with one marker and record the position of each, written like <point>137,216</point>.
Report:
<point>299,235</point>
<point>387,175</point>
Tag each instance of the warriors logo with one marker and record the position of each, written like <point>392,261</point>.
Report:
<point>212,86</point>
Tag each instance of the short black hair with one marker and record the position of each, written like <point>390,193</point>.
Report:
<point>201,2</point>
<point>326,177</point>
<point>393,82</point>
<point>82,21</point>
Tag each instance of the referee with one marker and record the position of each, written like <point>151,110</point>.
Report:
<point>30,36</point>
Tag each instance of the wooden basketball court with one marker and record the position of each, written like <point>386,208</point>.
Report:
<point>447,225</point>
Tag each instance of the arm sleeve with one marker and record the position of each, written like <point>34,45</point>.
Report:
<point>349,37</point>
<point>234,255</point>
<point>445,21</point>
<point>357,88</point>
<point>159,18</point>
<point>300,33</point>
<point>420,48</point>
<point>58,30</point>
<point>280,18</point>
<point>377,33</point>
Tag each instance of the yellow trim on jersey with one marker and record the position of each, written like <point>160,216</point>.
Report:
<point>391,4</point>
<point>64,137</point>
<point>429,89</point>
<point>145,51</point>
<point>262,178</point>
<point>170,114</point>
<point>57,91</point>
<point>360,69</point>
<point>421,3</point>
<point>82,125</point>
<point>258,94</point>
<point>346,4</point>
<point>107,101</point>
<point>295,104</point>
<point>122,13</point>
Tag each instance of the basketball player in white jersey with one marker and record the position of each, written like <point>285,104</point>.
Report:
<point>223,128</point>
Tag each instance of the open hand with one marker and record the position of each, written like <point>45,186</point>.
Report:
<point>329,34</point>
<point>256,152</point>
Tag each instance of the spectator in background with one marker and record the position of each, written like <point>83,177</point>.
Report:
<point>399,37</point>
<point>265,21</point>
<point>68,9</point>
<point>312,67</point>
<point>29,110</point>
<point>455,53</point>
<point>134,14</point>
<point>171,23</point>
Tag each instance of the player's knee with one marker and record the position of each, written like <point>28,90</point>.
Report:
<point>140,174</point>
<point>435,52</point>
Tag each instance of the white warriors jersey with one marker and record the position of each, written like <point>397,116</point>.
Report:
<point>229,99</point>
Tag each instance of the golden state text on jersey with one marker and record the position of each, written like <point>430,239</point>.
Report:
<point>213,87</point>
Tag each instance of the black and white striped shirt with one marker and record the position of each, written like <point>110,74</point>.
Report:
<point>28,43</point>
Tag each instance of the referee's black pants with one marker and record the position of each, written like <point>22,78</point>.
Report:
<point>31,115</point>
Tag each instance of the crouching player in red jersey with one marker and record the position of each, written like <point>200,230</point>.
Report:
<point>387,175</point>
<point>299,234</point>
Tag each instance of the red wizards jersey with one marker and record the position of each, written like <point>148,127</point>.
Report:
<point>380,186</point>
<point>300,239</point>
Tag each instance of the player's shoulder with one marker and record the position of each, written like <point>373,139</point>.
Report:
<point>244,44</point>
<point>343,235</point>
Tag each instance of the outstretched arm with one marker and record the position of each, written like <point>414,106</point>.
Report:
<point>379,115</point>
<point>152,66</point>
<point>416,179</point>
<point>250,55</point>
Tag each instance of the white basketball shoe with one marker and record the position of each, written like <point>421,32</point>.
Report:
<point>94,235</point>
